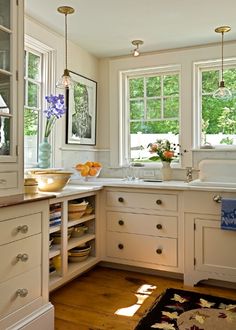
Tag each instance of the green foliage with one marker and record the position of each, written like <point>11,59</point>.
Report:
<point>30,122</point>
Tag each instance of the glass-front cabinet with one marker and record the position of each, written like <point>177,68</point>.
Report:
<point>11,96</point>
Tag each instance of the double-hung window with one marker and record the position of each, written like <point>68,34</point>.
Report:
<point>150,111</point>
<point>215,119</point>
<point>39,81</point>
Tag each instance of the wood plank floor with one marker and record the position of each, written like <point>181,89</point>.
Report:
<point>90,301</point>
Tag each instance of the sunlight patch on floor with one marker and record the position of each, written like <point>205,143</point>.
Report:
<point>143,292</point>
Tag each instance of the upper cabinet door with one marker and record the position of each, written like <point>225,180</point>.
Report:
<point>11,91</point>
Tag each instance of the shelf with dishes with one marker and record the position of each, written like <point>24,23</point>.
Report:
<point>72,237</point>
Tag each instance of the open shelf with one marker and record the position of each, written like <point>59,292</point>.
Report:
<point>76,241</point>
<point>81,220</point>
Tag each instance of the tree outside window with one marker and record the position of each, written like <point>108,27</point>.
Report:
<point>218,116</point>
<point>153,103</point>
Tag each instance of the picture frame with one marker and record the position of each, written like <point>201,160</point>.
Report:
<point>81,103</point>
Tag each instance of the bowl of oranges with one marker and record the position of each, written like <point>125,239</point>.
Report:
<point>89,169</point>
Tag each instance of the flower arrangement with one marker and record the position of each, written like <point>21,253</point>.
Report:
<point>55,110</point>
<point>164,149</point>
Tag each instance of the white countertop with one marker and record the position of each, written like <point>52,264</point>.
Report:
<point>98,183</point>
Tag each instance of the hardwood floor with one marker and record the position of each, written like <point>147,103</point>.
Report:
<point>90,301</point>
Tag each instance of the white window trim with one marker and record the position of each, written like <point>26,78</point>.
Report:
<point>197,100</point>
<point>49,83</point>
<point>124,141</point>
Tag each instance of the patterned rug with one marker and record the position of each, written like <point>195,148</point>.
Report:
<point>186,310</point>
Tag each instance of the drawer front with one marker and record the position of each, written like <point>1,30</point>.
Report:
<point>166,202</point>
<point>18,228</point>
<point>19,257</point>
<point>8,180</point>
<point>203,201</point>
<point>29,282</point>
<point>150,249</point>
<point>142,224</point>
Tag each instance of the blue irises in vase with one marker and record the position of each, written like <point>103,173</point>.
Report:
<point>56,109</point>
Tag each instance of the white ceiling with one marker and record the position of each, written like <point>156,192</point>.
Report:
<point>107,27</point>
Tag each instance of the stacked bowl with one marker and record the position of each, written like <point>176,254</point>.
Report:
<point>79,253</point>
<point>76,210</point>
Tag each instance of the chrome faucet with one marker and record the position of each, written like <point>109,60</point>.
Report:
<point>189,174</point>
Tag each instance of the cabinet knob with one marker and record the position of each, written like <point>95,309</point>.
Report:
<point>159,251</point>
<point>22,257</point>
<point>159,202</point>
<point>121,222</point>
<point>120,246</point>
<point>121,199</point>
<point>22,292</point>
<point>22,229</point>
<point>217,198</point>
<point>159,226</point>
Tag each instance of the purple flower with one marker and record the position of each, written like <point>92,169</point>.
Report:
<point>55,110</point>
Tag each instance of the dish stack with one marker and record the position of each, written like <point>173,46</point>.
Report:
<point>57,235</point>
<point>76,210</point>
<point>79,253</point>
<point>55,215</point>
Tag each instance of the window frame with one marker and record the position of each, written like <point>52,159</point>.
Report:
<point>198,68</point>
<point>48,83</point>
<point>124,122</point>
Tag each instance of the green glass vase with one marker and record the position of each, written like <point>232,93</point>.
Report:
<point>44,154</point>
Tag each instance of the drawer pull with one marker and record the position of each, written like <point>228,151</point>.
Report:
<point>121,222</point>
<point>159,202</point>
<point>159,226</point>
<point>23,229</point>
<point>22,257</point>
<point>120,246</point>
<point>121,199</point>
<point>159,251</point>
<point>3,181</point>
<point>22,292</point>
<point>217,198</point>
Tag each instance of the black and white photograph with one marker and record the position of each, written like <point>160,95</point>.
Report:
<point>81,110</point>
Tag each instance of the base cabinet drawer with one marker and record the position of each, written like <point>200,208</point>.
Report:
<point>167,202</point>
<point>20,227</point>
<point>142,224</point>
<point>8,180</point>
<point>19,257</point>
<point>19,291</point>
<point>150,249</point>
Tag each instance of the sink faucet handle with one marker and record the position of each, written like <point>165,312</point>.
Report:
<point>189,174</point>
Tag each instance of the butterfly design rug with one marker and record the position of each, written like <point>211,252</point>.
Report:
<point>187,310</point>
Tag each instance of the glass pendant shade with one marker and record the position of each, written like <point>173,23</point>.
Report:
<point>136,43</point>
<point>65,81</point>
<point>222,92</point>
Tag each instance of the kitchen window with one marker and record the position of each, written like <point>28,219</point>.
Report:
<point>39,82</point>
<point>215,120</point>
<point>150,111</point>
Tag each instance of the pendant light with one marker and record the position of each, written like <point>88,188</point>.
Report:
<point>65,81</point>
<point>136,43</point>
<point>222,92</point>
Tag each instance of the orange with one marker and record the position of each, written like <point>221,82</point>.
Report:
<point>89,164</point>
<point>93,171</point>
<point>79,166</point>
<point>85,170</point>
<point>97,164</point>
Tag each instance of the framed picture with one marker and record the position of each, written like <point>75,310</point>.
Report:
<point>81,102</point>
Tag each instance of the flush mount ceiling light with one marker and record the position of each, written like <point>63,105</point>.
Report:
<point>65,81</point>
<point>136,43</point>
<point>222,92</point>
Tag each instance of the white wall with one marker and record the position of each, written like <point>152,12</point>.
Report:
<point>79,61</point>
<point>110,102</point>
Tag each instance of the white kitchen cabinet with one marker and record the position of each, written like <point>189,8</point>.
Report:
<point>11,97</point>
<point>209,250</point>
<point>24,266</point>
<point>144,228</point>
<point>58,254</point>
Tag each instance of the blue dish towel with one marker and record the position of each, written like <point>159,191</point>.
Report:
<point>228,214</point>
